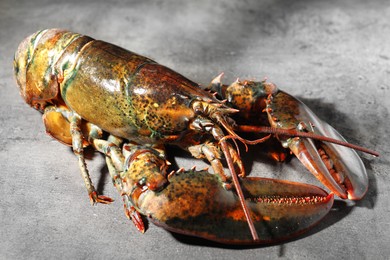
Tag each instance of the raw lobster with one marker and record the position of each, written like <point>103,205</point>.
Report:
<point>129,107</point>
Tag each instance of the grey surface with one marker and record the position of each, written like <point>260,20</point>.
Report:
<point>335,55</point>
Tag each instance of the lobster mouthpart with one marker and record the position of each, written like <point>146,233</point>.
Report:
<point>196,204</point>
<point>339,168</point>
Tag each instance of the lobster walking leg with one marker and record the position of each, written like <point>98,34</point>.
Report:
<point>111,148</point>
<point>212,153</point>
<point>67,127</point>
<point>77,145</point>
<point>130,212</point>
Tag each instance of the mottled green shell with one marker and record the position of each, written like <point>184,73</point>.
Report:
<point>124,93</point>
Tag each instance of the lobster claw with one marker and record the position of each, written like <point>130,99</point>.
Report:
<point>339,168</point>
<point>195,203</point>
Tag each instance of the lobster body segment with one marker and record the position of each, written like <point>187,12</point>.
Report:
<point>142,100</point>
<point>129,107</point>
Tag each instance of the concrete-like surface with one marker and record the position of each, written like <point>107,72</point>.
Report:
<point>335,55</point>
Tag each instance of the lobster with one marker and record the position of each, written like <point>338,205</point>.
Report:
<point>129,107</point>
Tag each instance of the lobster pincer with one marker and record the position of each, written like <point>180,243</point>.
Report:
<point>196,203</point>
<point>338,167</point>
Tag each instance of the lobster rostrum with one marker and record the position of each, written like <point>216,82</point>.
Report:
<point>129,107</point>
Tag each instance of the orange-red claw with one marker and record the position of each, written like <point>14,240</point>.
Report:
<point>136,217</point>
<point>95,198</point>
<point>339,168</point>
<point>279,209</point>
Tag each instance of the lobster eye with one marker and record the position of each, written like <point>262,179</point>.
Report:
<point>197,106</point>
<point>142,182</point>
<point>198,112</point>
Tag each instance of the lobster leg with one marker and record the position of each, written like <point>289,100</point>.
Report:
<point>211,152</point>
<point>195,203</point>
<point>110,147</point>
<point>130,212</point>
<point>67,127</point>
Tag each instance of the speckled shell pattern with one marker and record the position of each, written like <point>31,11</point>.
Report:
<point>123,93</point>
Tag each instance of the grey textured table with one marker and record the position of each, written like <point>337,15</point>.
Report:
<point>335,55</point>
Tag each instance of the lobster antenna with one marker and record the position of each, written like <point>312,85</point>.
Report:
<point>295,133</point>
<point>240,194</point>
<point>225,149</point>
